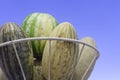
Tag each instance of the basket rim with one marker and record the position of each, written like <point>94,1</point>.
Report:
<point>48,38</point>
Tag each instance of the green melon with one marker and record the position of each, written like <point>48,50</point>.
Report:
<point>39,25</point>
<point>8,59</point>
<point>63,53</point>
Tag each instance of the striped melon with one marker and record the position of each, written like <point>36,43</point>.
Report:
<point>8,59</point>
<point>39,25</point>
<point>86,61</point>
<point>63,53</point>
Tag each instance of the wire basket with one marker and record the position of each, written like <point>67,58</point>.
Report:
<point>52,39</point>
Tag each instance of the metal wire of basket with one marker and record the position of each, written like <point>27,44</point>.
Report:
<point>49,39</point>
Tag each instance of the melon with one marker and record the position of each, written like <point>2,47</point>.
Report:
<point>87,59</point>
<point>39,25</point>
<point>63,53</point>
<point>9,62</point>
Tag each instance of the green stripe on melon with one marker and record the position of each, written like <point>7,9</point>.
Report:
<point>39,25</point>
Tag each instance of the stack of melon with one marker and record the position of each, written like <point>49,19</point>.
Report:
<point>42,59</point>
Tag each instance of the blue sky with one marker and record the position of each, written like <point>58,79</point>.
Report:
<point>99,19</point>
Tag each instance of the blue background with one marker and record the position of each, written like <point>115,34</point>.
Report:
<point>99,19</point>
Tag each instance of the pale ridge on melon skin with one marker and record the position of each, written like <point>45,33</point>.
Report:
<point>63,54</point>
<point>85,60</point>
